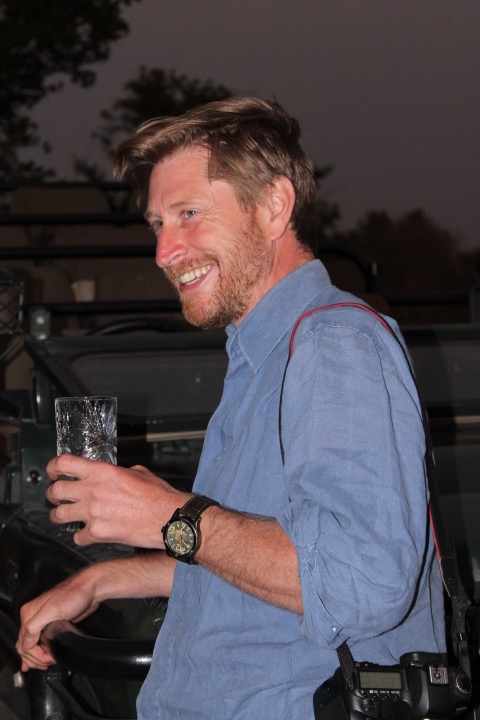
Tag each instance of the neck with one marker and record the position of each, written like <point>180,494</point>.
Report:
<point>289,256</point>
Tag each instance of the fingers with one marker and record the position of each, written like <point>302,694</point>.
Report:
<point>66,493</point>
<point>63,491</point>
<point>80,467</point>
<point>36,659</point>
<point>70,465</point>
<point>33,655</point>
<point>72,600</point>
<point>116,504</point>
<point>28,643</point>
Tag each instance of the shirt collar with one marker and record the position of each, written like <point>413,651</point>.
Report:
<point>275,314</point>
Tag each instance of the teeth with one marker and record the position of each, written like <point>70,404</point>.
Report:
<point>192,275</point>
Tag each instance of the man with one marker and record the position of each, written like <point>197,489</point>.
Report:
<point>295,555</point>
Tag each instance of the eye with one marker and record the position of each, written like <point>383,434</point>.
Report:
<point>190,213</point>
<point>156,226</point>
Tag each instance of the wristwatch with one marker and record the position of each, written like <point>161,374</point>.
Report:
<point>181,534</point>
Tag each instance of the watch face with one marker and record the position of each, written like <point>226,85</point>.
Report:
<point>180,537</point>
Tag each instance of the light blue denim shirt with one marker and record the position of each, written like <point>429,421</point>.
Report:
<point>352,496</point>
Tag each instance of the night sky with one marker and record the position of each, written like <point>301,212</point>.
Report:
<point>387,91</point>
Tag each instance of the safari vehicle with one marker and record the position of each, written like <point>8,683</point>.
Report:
<point>168,380</point>
<point>167,385</point>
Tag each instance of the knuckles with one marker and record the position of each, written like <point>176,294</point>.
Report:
<point>58,514</point>
<point>52,492</point>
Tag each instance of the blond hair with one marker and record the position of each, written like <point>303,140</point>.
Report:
<point>250,143</point>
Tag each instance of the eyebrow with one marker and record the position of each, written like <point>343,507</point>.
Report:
<point>174,206</point>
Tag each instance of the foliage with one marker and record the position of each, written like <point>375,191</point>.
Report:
<point>328,211</point>
<point>41,43</point>
<point>154,92</point>
<point>415,255</point>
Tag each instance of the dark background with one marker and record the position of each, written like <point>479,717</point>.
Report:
<point>387,92</point>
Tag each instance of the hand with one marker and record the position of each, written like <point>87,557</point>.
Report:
<point>123,505</point>
<point>74,599</point>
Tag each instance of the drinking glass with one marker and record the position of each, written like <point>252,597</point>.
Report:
<point>86,426</point>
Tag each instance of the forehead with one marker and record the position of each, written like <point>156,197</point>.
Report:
<point>184,167</point>
<point>182,179</point>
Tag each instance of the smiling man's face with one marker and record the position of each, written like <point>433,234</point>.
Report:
<point>214,253</point>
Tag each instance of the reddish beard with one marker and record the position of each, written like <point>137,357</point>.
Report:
<point>242,265</point>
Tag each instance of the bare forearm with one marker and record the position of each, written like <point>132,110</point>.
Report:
<point>252,553</point>
<point>80,594</point>
<point>145,575</point>
<point>131,505</point>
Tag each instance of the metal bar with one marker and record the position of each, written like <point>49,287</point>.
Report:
<point>453,298</point>
<point>113,218</point>
<point>135,306</point>
<point>110,185</point>
<point>106,307</point>
<point>66,251</point>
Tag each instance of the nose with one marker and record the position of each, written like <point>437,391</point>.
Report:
<point>170,247</point>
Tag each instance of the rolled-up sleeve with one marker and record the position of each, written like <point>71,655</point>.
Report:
<point>355,473</point>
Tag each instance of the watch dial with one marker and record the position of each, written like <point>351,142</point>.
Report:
<point>180,537</point>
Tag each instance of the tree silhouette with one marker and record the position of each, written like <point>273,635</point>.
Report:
<point>39,43</point>
<point>415,255</point>
<point>154,92</point>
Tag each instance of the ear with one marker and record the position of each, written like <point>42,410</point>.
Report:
<point>275,209</point>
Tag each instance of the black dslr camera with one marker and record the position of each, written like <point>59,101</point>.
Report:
<point>421,686</point>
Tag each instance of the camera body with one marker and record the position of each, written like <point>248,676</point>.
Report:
<point>421,686</point>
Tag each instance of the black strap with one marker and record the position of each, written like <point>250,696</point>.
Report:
<point>347,663</point>
<point>448,566</point>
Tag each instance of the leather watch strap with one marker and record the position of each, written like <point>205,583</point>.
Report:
<point>194,507</point>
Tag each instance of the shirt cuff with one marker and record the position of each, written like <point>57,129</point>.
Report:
<point>317,624</point>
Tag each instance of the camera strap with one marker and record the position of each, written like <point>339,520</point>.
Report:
<point>446,558</point>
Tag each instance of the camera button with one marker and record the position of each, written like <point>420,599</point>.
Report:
<point>463,683</point>
<point>371,709</point>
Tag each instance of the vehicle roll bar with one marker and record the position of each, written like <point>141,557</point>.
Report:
<point>85,654</point>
